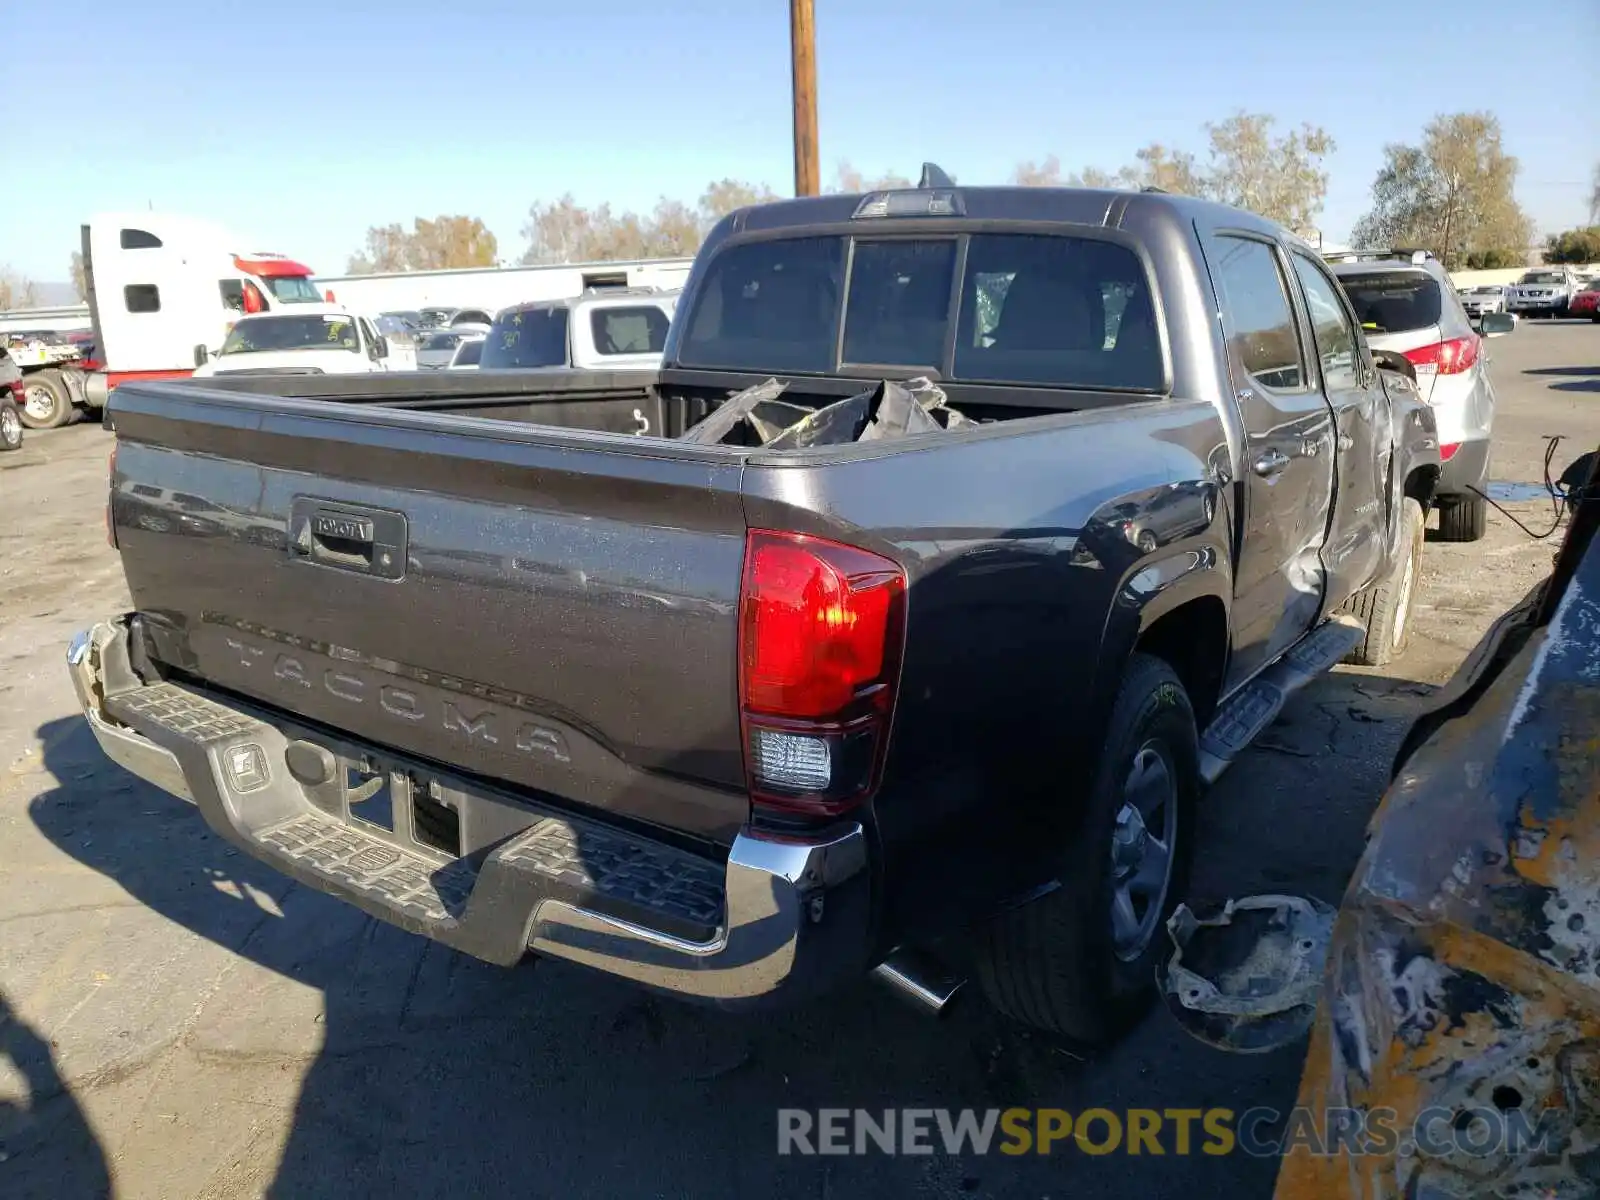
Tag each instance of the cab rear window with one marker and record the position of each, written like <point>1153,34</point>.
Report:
<point>1028,309</point>
<point>1394,301</point>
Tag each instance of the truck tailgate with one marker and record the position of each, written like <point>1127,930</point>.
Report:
<point>555,610</point>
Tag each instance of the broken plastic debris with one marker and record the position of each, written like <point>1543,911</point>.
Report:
<point>1248,977</point>
<point>756,416</point>
<point>891,410</point>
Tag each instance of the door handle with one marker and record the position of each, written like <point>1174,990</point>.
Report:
<point>1270,462</point>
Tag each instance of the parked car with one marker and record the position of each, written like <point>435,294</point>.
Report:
<point>1546,291</point>
<point>1586,303</point>
<point>471,317</point>
<point>311,339</point>
<point>617,329</point>
<point>437,349</point>
<point>821,667</point>
<point>1486,298</point>
<point>11,401</point>
<point>469,352</point>
<point>1405,303</point>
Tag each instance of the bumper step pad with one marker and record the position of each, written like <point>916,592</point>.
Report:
<point>484,904</point>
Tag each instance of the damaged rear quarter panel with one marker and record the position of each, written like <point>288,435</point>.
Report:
<point>1464,972</point>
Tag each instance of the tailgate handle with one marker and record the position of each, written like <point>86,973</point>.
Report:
<point>349,538</point>
<point>342,540</point>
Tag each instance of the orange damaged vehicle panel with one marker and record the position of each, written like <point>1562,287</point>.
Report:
<point>1461,999</point>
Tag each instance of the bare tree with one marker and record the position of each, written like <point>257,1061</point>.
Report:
<point>565,231</point>
<point>674,230</point>
<point>440,244</point>
<point>1454,194</point>
<point>1040,174</point>
<point>17,290</point>
<point>1094,177</point>
<point>1594,197</point>
<point>1280,177</point>
<point>80,282</point>
<point>729,195</point>
<point>849,181</point>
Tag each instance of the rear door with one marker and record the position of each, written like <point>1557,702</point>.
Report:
<point>1357,529</point>
<point>1288,469</point>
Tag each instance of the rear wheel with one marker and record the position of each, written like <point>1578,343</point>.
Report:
<point>10,426</point>
<point>46,403</point>
<point>1080,960</point>
<point>1463,519</point>
<point>1385,606</point>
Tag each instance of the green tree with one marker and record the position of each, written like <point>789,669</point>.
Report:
<point>1280,177</point>
<point>1577,246</point>
<point>440,244</point>
<point>1454,194</point>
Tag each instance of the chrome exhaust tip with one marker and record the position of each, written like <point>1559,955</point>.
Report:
<point>922,983</point>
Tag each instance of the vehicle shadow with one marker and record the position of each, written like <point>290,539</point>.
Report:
<point>46,1145</point>
<point>422,1072</point>
<point>1575,379</point>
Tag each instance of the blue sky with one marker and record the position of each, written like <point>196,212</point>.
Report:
<point>299,125</point>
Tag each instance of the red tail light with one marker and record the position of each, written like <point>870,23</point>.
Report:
<point>111,489</point>
<point>1447,358</point>
<point>1447,450</point>
<point>821,630</point>
<point>254,301</point>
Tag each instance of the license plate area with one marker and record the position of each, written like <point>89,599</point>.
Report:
<point>397,802</point>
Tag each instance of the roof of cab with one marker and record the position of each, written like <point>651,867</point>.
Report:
<point>1076,206</point>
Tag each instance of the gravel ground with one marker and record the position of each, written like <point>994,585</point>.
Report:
<point>184,1023</point>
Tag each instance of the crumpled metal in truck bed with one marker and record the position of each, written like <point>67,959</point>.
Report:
<point>1462,995</point>
<point>890,410</point>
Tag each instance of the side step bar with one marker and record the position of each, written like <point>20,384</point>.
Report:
<point>1255,706</point>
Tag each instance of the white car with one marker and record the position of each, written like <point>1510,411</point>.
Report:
<point>307,340</point>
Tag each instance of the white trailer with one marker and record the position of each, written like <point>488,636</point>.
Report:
<point>494,288</point>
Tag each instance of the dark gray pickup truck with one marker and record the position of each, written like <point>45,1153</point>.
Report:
<point>538,666</point>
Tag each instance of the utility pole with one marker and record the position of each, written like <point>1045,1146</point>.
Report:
<point>803,48</point>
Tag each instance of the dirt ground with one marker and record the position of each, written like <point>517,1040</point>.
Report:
<point>176,1021</point>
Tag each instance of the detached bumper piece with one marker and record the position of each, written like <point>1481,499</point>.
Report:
<point>781,920</point>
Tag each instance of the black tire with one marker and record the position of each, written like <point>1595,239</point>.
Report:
<point>1385,606</point>
<point>46,389</point>
<point>1463,518</point>
<point>10,426</point>
<point>1052,963</point>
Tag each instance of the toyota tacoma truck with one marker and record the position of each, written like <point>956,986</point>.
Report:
<point>744,709</point>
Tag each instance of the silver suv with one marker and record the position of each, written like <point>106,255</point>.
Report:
<point>1547,290</point>
<point>1406,303</point>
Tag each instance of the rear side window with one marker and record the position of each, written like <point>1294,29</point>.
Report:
<point>530,337</point>
<point>1394,301</point>
<point>232,293</point>
<point>142,297</point>
<point>139,239</point>
<point>632,330</point>
<point>768,306</point>
<point>1260,322</point>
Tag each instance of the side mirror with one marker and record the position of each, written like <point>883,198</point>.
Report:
<point>1496,324</point>
<point>201,354</point>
